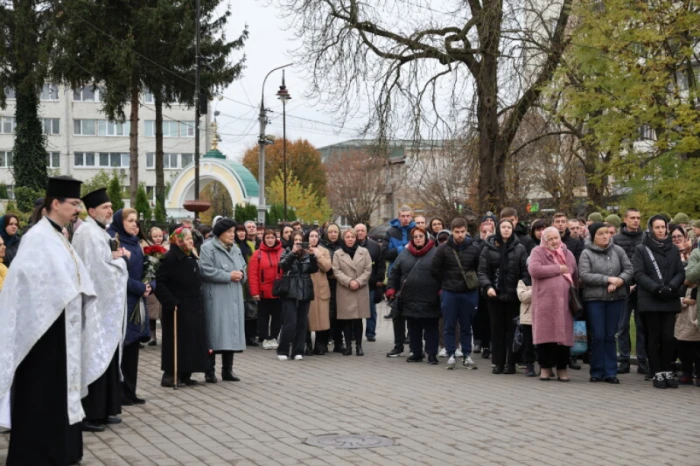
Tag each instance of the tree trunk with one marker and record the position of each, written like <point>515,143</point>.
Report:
<point>134,140</point>
<point>160,175</point>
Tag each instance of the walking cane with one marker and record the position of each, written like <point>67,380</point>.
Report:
<point>175,379</point>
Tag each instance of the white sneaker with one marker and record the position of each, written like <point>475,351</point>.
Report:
<point>282,357</point>
<point>298,357</point>
<point>451,363</point>
<point>442,353</point>
<point>458,353</point>
<point>274,344</point>
<point>469,363</point>
<point>266,344</point>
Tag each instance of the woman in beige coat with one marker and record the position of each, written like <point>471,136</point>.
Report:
<point>352,267</point>
<point>319,311</point>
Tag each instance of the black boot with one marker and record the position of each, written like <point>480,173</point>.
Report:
<point>210,374</point>
<point>358,350</point>
<point>348,343</point>
<point>227,367</point>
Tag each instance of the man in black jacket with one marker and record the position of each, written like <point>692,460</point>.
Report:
<point>510,214</point>
<point>376,280</point>
<point>628,238</point>
<point>453,263</point>
<point>561,223</point>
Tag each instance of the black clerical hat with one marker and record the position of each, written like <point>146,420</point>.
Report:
<point>63,187</point>
<point>96,198</point>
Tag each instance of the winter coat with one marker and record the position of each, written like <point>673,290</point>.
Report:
<point>378,262</point>
<point>687,321</point>
<point>574,245</point>
<point>396,239</point>
<point>490,263</point>
<point>319,310</point>
<point>412,275</point>
<point>299,270</point>
<point>352,304</point>
<point>445,267</point>
<point>11,242</point>
<point>552,321</point>
<point>224,312</point>
<point>179,284</point>
<point>649,284</point>
<point>692,271</point>
<point>262,270</point>
<point>332,283</point>
<point>628,240</point>
<point>598,264</point>
<point>525,297</point>
<point>524,237</point>
<point>135,288</point>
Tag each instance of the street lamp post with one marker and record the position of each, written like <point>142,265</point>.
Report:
<point>263,141</point>
<point>284,96</point>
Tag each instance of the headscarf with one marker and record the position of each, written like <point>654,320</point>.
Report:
<point>557,254</point>
<point>177,238</point>
<point>650,230</point>
<point>535,225</point>
<point>9,240</point>
<point>117,226</point>
<point>243,243</point>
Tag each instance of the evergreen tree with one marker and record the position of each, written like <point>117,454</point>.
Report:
<point>245,212</point>
<point>142,205</point>
<point>115,192</point>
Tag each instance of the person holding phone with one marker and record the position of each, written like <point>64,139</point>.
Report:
<point>297,264</point>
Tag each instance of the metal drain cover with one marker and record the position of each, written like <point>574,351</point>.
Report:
<point>350,441</point>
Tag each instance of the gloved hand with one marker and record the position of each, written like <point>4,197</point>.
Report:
<point>390,294</point>
<point>668,293</point>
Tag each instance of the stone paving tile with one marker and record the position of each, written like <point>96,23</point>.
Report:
<point>434,416</point>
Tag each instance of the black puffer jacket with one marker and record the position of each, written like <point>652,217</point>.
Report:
<point>524,237</point>
<point>574,245</point>
<point>649,284</point>
<point>628,240</point>
<point>301,288</point>
<point>419,295</point>
<point>378,262</point>
<point>445,267</point>
<point>490,263</point>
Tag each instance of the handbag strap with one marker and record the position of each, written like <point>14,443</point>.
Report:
<point>461,269</point>
<point>409,274</point>
<point>653,261</point>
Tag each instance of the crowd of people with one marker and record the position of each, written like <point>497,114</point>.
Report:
<point>69,352</point>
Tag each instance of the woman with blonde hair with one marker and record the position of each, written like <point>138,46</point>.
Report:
<point>154,237</point>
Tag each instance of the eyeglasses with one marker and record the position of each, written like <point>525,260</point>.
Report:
<point>677,237</point>
<point>418,236</point>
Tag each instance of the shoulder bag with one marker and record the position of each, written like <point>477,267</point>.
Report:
<point>396,302</point>
<point>470,278</point>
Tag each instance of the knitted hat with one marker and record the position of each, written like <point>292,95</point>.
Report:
<point>490,215</point>
<point>595,217</point>
<point>593,227</point>
<point>695,224</point>
<point>613,220</point>
<point>222,226</point>
<point>681,218</point>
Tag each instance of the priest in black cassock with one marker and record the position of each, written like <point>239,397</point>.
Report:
<point>46,301</point>
<point>107,269</point>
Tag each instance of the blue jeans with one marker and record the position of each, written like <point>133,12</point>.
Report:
<point>459,307</point>
<point>603,320</point>
<point>371,330</point>
<point>623,335</point>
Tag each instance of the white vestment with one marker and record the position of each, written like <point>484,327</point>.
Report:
<point>47,278</point>
<point>109,276</point>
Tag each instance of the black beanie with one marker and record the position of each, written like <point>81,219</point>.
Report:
<point>594,227</point>
<point>223,225</point>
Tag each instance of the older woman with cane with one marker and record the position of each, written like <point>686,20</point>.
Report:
<point>178,288</point>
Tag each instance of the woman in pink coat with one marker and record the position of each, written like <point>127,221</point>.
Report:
<point>553,269</point>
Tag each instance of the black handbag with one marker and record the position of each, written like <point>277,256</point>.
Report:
<point>251,309</point>
<point>281,285</point>
<point>575,303</point>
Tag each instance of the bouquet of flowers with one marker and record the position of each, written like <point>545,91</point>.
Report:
<point>151,261</point>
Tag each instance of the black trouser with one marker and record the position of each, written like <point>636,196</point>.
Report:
<point>553,355</point>
<point>352,330</point>
<point>251,329</point>
<point>399,331</point>
<point>130,369</point>
<point>295,321</point>
<point>152,327</point>
<point>502,331</point>
<point>690,357</point>
<point>226,361</point>
<point>336,329</point>
<point>269,318</point>
<point>482,324</point>
<point>528,349</point>
<point>661,344</point>
<point>423,328</point>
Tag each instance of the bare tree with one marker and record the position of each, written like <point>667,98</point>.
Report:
<point>435,72</point>
<point>356,184</point>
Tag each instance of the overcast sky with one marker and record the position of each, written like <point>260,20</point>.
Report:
<point>268,46</point>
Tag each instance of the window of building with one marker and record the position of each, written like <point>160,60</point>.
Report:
<point>10,93</point>
<point>6,158</point>
<point>111,128</point>
<point>148,97</point>
<point>87,94</point>
<point>7,125</point>
<point>187,129</point>
<point>186,159</point>
<point>84,127</point>
<point>49,92</point>
<point>84,159</point>
<point>170,161</point>
<point>54,160</point>
<point>171,129</point>
<point>51,126</point>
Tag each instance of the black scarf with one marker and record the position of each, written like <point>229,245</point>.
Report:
<point>350,251</point>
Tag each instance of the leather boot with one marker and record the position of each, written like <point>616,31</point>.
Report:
<point>210,374</point>
<point>227,367</point>
<point>358,350</point>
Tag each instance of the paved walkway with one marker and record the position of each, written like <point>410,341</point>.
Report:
<point>433,416</point>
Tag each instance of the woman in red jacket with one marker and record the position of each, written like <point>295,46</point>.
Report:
<point>262,270</point>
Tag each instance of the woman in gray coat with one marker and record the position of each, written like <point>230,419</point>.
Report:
<point>604,272</point>
<point>223,273</point>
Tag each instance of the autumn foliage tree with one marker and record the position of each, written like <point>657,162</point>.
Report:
<point>302,158</point>
<point>307,205</point>
<point>221,203</point>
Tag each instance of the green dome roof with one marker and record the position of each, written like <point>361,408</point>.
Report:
<point>248,181</point>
